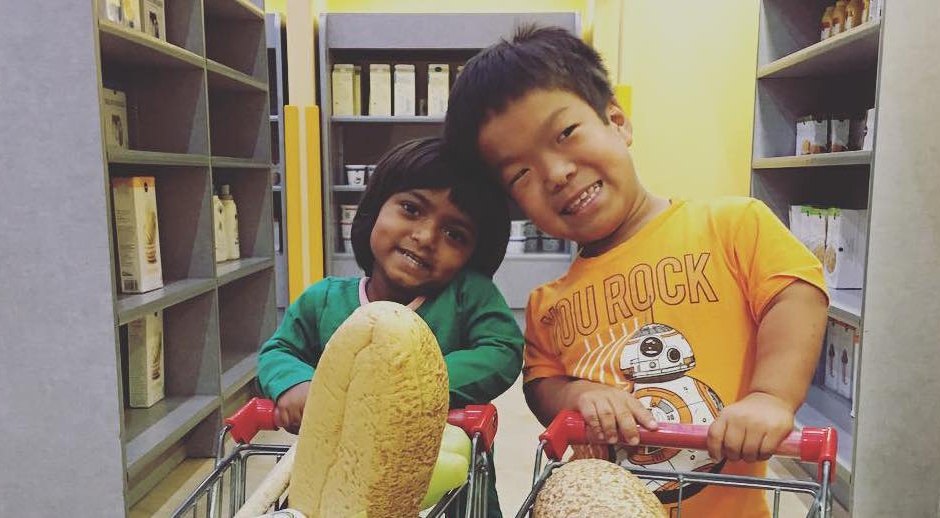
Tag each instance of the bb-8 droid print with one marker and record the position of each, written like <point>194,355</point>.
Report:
<point>657,359</point>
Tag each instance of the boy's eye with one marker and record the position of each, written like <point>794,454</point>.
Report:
<point>567,132</point>
<point>518,176</point>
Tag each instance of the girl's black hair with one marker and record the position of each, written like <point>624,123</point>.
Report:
<point>423,164</point>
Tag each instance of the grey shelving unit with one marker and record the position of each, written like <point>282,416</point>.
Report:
<point>798,75</point>
<point>410,39</point>
<point>276,43</point>
<point>198,117</point>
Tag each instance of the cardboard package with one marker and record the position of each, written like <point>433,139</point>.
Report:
<point>812,135</point>
<point>153,13</point>
<point>115,118</point>
<point>380,90</point>
<point>405,90</point>
<point>845,249</point>
<point>343,90</point>
<point>438,89</point>
<point>138,233</point>
<point>145,369</point>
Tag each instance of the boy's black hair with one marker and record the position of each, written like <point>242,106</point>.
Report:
<point>423,164</point>
<point>546,58</point>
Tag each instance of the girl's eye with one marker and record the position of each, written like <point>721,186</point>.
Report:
<point>518,176</point>
<point>455,235</point>
<point>410,208</point>
<point>566,132</point>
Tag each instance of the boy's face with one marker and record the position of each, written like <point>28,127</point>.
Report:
<point>420,241</point>
<point>570,172</point>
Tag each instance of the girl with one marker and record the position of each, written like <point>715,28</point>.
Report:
<point>428,237</point>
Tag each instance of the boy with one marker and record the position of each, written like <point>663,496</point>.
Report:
<point>674,310</point>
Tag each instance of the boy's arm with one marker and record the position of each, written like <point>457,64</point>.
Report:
<point>494,358</point>
<point>786,292</point>
<point>789,339</point>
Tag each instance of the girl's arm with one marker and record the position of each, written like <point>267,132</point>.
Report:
<point>493,360</point>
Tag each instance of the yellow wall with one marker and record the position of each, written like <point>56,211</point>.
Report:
<point>692,70</point>
<point>275,6</point>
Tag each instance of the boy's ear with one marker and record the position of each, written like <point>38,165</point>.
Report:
<point>619,120</point>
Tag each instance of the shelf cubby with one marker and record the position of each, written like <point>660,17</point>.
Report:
<point>191,365</point>
<point>247,319</point>
<point>166,108</point>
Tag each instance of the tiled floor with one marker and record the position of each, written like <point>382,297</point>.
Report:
<point>515,450</point>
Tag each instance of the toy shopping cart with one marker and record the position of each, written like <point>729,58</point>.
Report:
<point>810,444</point>
<point>209,498</point>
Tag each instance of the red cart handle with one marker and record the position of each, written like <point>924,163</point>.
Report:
<point>256,415</point>
<point>474,419</point>
<point>810,444</point>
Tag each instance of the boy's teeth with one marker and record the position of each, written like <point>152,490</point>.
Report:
<point>586,195</point>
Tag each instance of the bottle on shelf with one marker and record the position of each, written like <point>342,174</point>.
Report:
<point>218,223</point>
<point>230,219</point>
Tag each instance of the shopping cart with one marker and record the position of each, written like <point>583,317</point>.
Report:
<point>208,499</point>
<point>810,445</point>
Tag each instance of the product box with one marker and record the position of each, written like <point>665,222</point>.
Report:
<point>840,358</point>
<point>839,133</point>
<point>218,223</point>
<point>145,370</point>
<point>858,129</point>
<point>132,11</point>
<point>342,91</point>
<point>138,233</point>
<point>868,139</point>
<point>111,10</point>
<point>357,90</point>
<point>808,224</point>
<point>405,90</point>
<point>846,243</point>
<point>812,135</point>
<point>115,118</point>
<point>438,89</point>
<point>154,18</point>
<point>380,90</point>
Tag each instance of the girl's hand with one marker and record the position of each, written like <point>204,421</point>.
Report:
<point>290,407</point>
<point>750,429</point>
<point>610,413</point>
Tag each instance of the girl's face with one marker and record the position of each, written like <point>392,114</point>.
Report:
<point>420,241</point>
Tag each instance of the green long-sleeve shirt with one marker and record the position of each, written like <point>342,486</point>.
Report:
<point>481,343</point>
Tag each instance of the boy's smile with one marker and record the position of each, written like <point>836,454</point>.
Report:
<point>569,170</point>
<point>420,241</point>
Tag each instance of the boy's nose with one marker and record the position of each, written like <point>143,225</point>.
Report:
<point>559,173</point>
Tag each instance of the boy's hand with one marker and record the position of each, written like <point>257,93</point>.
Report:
<point>290,407</point>
<point>750,429</point>
<point>611,413</point>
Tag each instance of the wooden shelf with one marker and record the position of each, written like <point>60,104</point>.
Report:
<point>239,163</point>
<point>132,47</point>
<point>233,9</point>
<point>383,119</point>
<point>238,369</point>
<point>539,256</point>
<point>233,270</point>
<point>846,306</point>
<point>819,160</point>
<point>349,188</point>
<point>851,51</point>
<point>132,306</point>
<point>133,156</point>
<point>148,431</point>
<point>222,77</point>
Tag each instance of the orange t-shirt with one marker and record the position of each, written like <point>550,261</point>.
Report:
<point>672,315</point>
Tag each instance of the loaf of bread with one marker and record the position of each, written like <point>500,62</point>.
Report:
<point>373,420</point>
<point>597,489</point>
